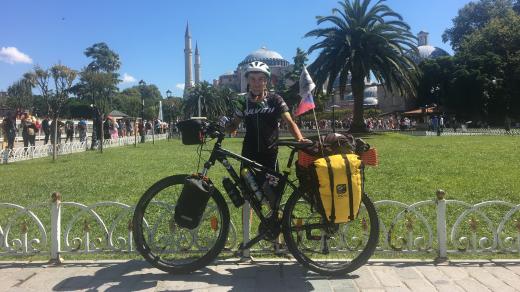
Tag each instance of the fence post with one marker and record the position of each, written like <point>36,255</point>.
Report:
<point>441,226</point>
<point>56,229</point>
<point>246,226</point>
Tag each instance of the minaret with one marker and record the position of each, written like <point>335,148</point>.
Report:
<point>197,64</point>
<point>188,82</point>
<point>423,38</point>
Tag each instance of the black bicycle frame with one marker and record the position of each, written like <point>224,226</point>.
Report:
<point>221,155</point>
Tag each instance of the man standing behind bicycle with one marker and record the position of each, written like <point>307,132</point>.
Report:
<point>261,111</point>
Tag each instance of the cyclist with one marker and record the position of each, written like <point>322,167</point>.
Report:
<point>261,112</point>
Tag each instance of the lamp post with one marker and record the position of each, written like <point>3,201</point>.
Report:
<point>143,130</point>
<point>170,107</point>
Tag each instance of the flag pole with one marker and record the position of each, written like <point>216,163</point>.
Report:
<point>318,130</point>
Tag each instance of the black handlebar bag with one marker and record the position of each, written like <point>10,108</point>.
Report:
<point>192,202</point>
<point>192,131</point>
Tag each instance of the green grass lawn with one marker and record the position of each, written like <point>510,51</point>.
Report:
<point>472,169</point>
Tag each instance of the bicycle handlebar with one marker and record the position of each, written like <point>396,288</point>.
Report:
<point>295,144</point>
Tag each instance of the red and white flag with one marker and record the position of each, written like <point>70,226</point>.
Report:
<point>306,88</point>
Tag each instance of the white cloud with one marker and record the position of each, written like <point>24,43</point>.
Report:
<point>180,86</point>
<point>11,55</point>
<point>128,78</point>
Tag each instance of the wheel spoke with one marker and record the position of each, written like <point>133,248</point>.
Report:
<point>170,247</point>
<point>327,249</point>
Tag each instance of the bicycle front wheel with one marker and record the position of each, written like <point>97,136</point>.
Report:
<point>166,245</point>
<point>329,250</point>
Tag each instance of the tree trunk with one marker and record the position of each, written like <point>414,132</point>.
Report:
<point>358,88</point>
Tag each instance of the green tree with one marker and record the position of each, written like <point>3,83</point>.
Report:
<point>364,40</point>
<point>62,78</point>
<point>494,50</point>
<point>228,96</point>
<point>19,94</point>
<point>151,96</point>
<point>172,108</point>
<point>472,17</point>
<point>212,106</point>
<point>129,101</point>
<point>98,81</point>
<point>104,59</point>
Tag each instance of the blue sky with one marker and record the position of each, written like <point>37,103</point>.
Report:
<point>149,35</point>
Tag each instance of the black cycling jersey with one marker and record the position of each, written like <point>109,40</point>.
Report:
<point>261,120</point>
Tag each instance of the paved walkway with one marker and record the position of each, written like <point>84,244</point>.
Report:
<point>379,275</point>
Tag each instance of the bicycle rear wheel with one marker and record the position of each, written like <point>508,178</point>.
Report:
<point>166,245</point>
<point>334,250</point>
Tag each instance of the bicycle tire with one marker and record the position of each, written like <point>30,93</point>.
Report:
<point>143,235</point>
<point>327,267</point>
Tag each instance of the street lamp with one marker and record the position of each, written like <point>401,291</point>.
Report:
<point>142,85</point>
<point>170,107</point>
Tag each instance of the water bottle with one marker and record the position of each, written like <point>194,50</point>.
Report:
<point>249,178</point>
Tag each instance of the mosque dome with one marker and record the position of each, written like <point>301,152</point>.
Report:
<point>370,92</point>
<point>426,51</point>
<point>271,58</point>
<point>369,96</point>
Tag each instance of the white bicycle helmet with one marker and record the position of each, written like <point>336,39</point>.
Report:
<point>258,66</point>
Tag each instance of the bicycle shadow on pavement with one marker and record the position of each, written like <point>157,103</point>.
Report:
<point>139,275</point>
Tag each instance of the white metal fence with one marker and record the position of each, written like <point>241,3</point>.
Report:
<point>26,153</point>
<point>438,227</point>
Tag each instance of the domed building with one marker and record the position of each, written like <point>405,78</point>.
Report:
<point>376,95</point>
<point>425,50</point>
<point>236,80</point>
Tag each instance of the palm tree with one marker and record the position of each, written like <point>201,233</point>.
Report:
<point>212,106</point>
<point>364,40</point>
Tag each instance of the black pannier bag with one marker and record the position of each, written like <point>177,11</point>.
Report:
<point>191,131</point>
<point>192,202</point>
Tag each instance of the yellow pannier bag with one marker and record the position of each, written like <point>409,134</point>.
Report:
<point>340,186</point>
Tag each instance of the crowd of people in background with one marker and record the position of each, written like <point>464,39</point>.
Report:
<point>28,127</point>
<point>22,126</point>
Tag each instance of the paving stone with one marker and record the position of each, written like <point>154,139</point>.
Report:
<point>50,278</point>
<point>320,284</point>
<point>397,289</point>
<point>487,279</point>
<point>344,289</point>
<point>407,273</point>
<point>366,279</point>
<point>507,276</point>
<point>438,279</point>
<point>514,268</point>
<point>419,285</point>
<point>471,285</point>
<point>453,287</point>
<point>387,276</point>
<point>454,273</point>
<point>339,283</point>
